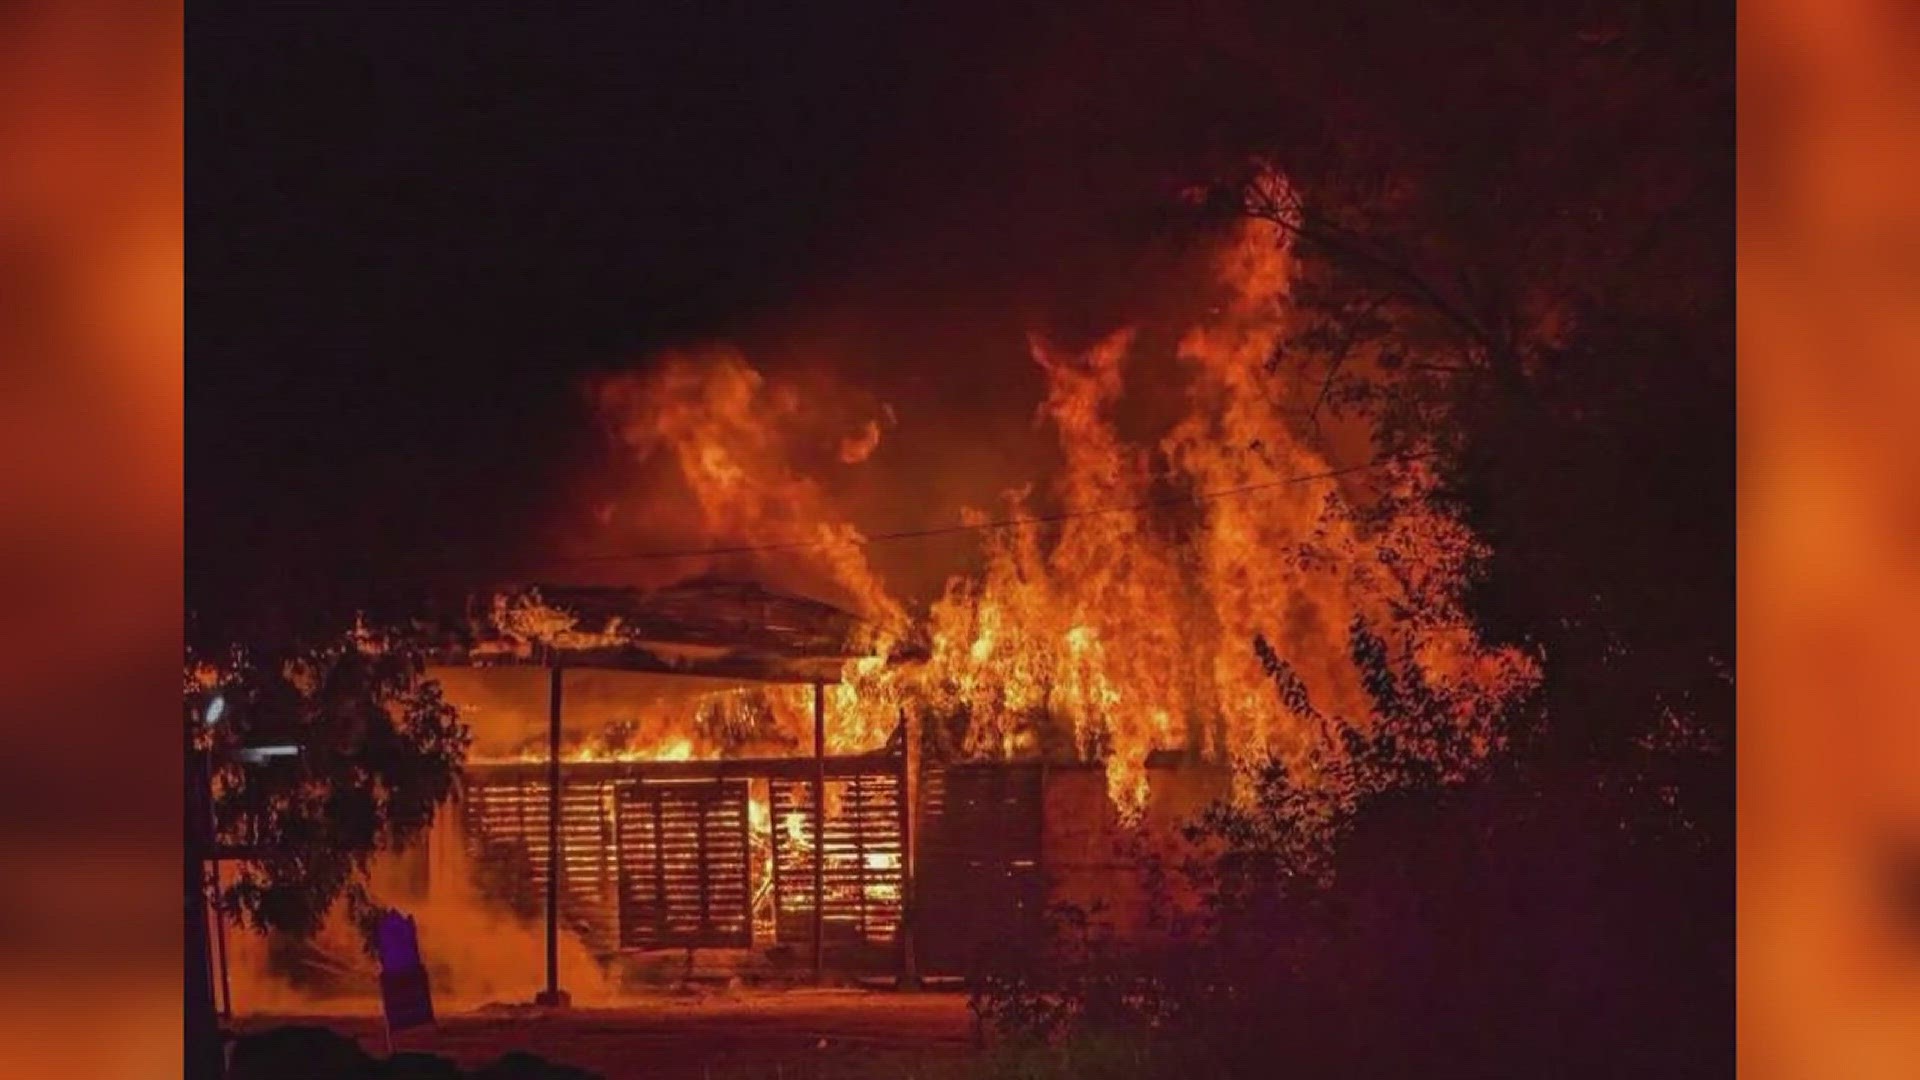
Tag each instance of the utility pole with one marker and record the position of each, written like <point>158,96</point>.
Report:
<point>203,1057</point>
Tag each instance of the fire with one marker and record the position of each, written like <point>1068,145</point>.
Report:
<point>795,823</point>
<point>1116,609</point>
<point>860,446</point>
<point>728,435</point>
<point>675,749</point>
<point>525,621</point>
<point>621,717</point>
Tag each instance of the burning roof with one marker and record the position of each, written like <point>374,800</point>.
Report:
<point>704,626</point>
<point>1200,573</point>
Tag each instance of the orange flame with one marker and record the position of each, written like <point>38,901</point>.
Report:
<point>1102,630</point>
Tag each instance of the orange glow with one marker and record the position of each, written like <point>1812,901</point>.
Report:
<point>1103,635</point>
<point>1829,753</point>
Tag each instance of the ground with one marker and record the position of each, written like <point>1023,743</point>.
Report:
<point>788,1035</point>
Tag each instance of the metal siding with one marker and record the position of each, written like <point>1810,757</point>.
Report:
<point>980,887</point>
<point>863,859</point>
<point>684,867</point>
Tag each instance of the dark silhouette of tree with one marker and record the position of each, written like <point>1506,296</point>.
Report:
<point>379,751</point>
<point>1279,842</point>
<point>1519,260</point>
<point>1513,245</point>
<point>1410,910</point>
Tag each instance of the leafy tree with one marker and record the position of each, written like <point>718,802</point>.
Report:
<point>1398,899</point>
<point>379,752</point>
<point>1279,843</point>
<point>1519,263</point>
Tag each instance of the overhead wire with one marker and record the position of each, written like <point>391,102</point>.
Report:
<point>1026,521</point>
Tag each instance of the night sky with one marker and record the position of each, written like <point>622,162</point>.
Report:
<point>410,239</point>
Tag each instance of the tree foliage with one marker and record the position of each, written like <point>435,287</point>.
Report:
<point>1519,263</point>
<point>1278,843</point>
<point>379,751</point>
<point>1512,246</point>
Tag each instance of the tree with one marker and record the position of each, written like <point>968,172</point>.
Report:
<point>1520,262</point>
<point>379,752</point>
<point>1513,256</point>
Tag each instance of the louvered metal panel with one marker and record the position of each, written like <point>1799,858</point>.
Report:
<point>862,872</point>
<point>507,833</point>
<point>656,862</point>
<point>684,873</point>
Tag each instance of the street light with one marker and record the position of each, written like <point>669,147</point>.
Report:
<point>208,851</point>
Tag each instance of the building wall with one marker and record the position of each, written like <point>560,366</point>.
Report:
<point>1013,842</point>
<point>1130,881</point>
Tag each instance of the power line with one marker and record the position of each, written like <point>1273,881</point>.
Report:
<point>985,526</point>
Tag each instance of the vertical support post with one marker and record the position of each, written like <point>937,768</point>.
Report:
<point>909,964</point>
<point>819,832</point>
<point>556,861</point>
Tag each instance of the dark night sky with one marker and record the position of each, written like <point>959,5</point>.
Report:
<point>410,239</point>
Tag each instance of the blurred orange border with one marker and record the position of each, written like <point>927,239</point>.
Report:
<point>90,193</point>
<point>1829,673</point>
<point>91,401</point>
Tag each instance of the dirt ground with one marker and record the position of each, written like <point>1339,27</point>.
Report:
<point>787,1035</point>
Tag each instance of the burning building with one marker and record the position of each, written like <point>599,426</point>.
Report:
<point>884,782</point>
<point>708,799</point>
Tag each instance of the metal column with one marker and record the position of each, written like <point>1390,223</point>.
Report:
<point>553,996</point>
<point>819,832</point>
<point>909,963</point>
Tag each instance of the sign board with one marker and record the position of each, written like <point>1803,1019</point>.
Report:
<point>404,993</point>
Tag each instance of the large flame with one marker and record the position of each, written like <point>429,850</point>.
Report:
<point>729,433</point>
<point>1116,610</point>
